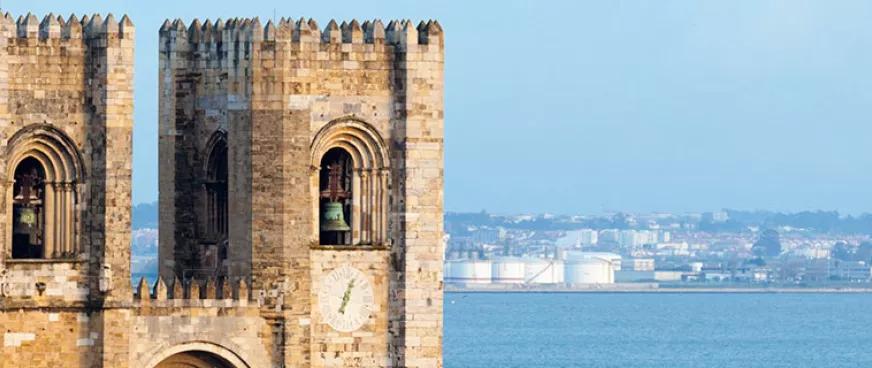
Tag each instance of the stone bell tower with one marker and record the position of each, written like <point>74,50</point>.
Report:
<point>308,161</point>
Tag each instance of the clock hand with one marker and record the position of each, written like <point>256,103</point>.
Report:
<point>346,297</point>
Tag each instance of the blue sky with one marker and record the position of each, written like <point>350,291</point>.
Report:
<point>591,106</point>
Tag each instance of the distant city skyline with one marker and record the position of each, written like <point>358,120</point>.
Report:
<point>567,107</point>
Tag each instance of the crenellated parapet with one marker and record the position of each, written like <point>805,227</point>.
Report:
<point>52,27</point>
<point>303,30</point>
<point>226,37</point>
<point>209,292</point>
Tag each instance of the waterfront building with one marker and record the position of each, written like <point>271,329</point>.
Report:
<point>590,267</point>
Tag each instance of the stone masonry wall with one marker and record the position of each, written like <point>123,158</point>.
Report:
<point>47,338</point>
<point>366,347</point>
<point>417,311</point>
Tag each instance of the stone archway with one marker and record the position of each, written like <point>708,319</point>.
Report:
<point>197,355</point>
<point>194,359</point>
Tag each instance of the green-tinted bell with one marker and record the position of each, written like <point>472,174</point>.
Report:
<point>27,216</point>
<point>333,218</point>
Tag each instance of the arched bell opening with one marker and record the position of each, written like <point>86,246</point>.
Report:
<point>366,176</point>
<point>28,210</point>
<point>42,194</point>
<point>336,197</point>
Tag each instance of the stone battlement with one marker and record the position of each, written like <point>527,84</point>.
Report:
<point>193,290</point>
<point>248,30</point>
<point>56,28</point>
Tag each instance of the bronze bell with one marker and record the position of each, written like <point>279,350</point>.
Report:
<point>333,218</point>
<point>27,216</point>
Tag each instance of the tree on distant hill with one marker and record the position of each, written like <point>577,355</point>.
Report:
<point>145,216</point>
<point>768,244</point>
<point>864,252</point>
<point>621,221</point>
<point>842,252</point>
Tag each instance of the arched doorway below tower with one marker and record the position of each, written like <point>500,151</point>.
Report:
<point>195,359</point>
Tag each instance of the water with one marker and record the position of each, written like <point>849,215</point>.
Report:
<point>657,330</point>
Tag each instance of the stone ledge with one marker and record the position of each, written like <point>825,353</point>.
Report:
<point>370,247</point>
<point>13,262</point>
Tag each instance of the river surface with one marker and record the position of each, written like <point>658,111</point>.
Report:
<point>657,330</point>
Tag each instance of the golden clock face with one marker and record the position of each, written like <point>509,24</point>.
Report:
<point>346,299</point>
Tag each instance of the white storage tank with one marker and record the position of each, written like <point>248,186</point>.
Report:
<point>543,271</point>
<point>507,270</point>
<point>590,268</point>
<point>468,272</point>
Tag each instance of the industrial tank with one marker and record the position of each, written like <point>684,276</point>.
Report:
<point>468,272</point>
<point>590,268</point>
<point>543,271</point>
<point>507,270</point>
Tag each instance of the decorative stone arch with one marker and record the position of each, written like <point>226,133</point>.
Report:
<point>370,186</point>
<point>216,140</point>
<point>193,349</point>
<point>63,168</point>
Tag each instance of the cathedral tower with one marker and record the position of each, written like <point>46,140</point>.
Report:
<point>308,162</point>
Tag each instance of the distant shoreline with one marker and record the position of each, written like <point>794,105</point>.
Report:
<point>645,289</point>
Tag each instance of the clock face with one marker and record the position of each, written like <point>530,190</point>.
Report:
<point>346,299</point>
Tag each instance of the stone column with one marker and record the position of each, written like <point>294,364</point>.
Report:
<point>68,215</point>
<point>315,200</point>
<point>385,177</point>
<point>356,208</point>
<point>365,199</point>
<point>60,211</point>
<point>49,215</point>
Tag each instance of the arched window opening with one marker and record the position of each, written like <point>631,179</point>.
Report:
<point>210,258</point>
<point>28,197</point>
<point>216,193</point>
<point>336,192</point>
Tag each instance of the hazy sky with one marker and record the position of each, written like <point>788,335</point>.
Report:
<point>586,106</point>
